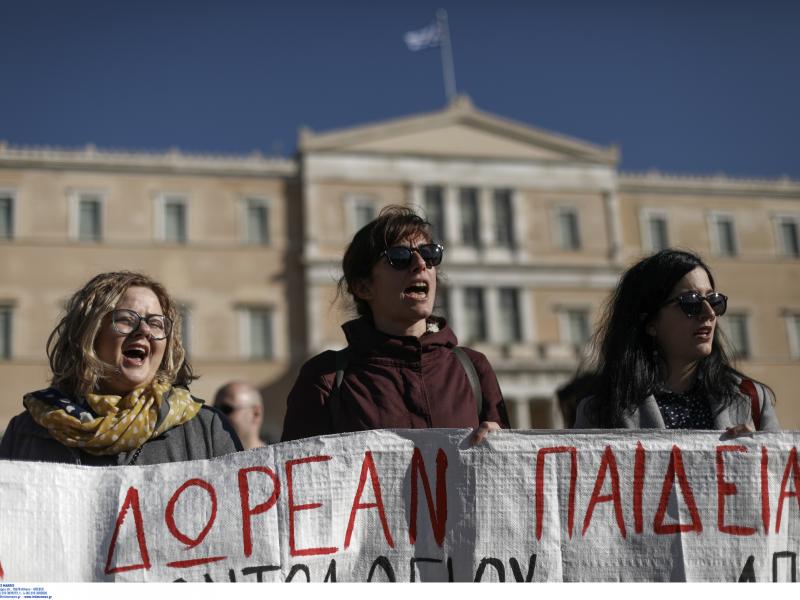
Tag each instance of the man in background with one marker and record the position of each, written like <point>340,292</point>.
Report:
<point>241,403</point>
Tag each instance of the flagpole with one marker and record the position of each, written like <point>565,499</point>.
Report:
<point>448,68</point>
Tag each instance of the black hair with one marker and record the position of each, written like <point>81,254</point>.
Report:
<point>625,357</point>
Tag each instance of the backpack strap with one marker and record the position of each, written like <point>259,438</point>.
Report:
<point>748,388</point>
<point>334,400</point>
<point>472,375</point>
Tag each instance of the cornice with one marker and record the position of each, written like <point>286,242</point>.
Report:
<point>656,182</point>
<point>171,161</point>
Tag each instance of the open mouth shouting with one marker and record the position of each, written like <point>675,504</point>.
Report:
<point>135,355</point>
<point>417,291</point>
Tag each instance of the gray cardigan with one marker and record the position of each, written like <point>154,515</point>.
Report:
<point>207,435</point>
<point>648,416</point>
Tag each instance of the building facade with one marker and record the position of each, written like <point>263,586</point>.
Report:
<point>537,228</point>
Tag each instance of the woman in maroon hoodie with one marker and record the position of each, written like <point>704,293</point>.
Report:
<point>402,367</point>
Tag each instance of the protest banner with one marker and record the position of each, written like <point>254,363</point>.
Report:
<point>419,505</point>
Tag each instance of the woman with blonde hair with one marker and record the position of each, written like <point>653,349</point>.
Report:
<point>119,389</point>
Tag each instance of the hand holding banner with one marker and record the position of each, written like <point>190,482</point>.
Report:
<point>415,505</point>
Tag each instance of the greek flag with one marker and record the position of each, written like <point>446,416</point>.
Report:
<point>422,39</point>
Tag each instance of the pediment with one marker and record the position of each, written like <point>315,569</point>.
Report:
<point>458,131</point>
<point>460,140</point>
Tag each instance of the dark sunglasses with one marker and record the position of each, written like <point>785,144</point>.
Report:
<point>400,256</point>
<point>691,303</point>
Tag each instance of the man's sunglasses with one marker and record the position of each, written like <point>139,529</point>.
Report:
<point>691,303</point>
<point>227,409</point>
<point>400,256</point>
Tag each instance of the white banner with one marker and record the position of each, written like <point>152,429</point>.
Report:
<point>419,505</point>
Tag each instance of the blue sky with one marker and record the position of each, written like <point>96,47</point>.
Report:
<point>682,86</point>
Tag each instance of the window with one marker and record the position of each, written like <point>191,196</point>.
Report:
<point>793,330</point>
<point>172,227</point>
<point>359,210</point>
<point>474,315</point>
<point>257,333</point>
<point>788,236</point>
<point>433,205</point>
<point>5,332</point>
<point>257,221</point>
<point>503,218</point>
<point>576,327</point>
<point>568,229</point>
<point>724,235</point>
<point>470,221</point>
<point>656,236</point>
<point>90,218</point>
<point>6,216</point>
<point>735,326</point>
<point>363,212</point>
<point>510,317</point>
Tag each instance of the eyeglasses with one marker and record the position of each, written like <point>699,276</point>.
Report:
<point>227,409</point>
<point>126,321</point>
<point>691,303</point>
<point>400,256</point>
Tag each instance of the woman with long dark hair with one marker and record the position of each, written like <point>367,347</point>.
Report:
<point>659,356</point>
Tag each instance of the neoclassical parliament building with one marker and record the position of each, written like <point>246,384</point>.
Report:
<point>537,228</point>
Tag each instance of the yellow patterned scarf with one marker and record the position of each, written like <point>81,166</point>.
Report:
<point>118,423</point>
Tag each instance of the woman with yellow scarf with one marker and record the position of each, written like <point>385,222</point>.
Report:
<point>119,390</point>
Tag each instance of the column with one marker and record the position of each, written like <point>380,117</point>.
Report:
<point>556,418</point>
<point>456,308</point>
<point>309,229</point>
<point>493,316</point>
<point>611,205</point>
<point>527,315</point>
<point>520,221</point>
<point>520,412</point>
<point>452,222</point>
<point>486,217</point>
